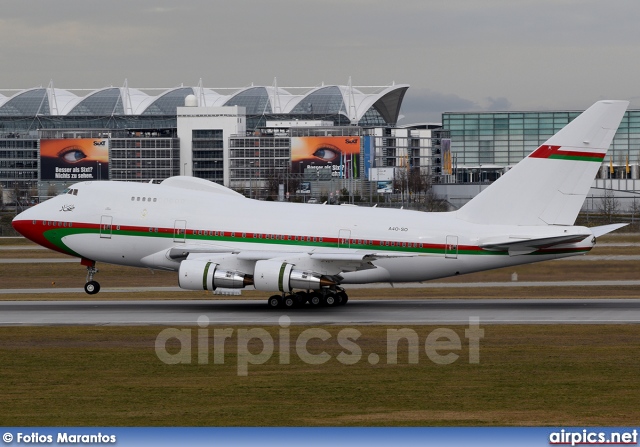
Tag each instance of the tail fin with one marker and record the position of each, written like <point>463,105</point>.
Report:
<point>549,186</point>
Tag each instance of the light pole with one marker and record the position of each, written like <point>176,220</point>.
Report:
<point>184,169</point>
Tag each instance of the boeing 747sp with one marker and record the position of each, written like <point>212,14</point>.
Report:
<point>216,238</point>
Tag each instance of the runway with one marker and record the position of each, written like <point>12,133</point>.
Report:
<point>412,285</point>
<point>356,312</point>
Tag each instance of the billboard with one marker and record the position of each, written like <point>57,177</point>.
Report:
<point>74,159</point>
<point>385,187</point>
<point>380,174</point>
<point>340,154</point>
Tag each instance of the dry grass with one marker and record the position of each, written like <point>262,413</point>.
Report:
<point>527,375</point>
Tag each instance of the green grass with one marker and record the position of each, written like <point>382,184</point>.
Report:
<point>527,375</point>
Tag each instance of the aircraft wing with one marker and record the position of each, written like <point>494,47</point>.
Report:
<point>328,263</point>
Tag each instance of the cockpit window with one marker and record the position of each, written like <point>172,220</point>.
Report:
<point>66,191</point>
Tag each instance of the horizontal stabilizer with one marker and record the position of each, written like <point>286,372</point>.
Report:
<point>525,246</point>
<point>604,229</point>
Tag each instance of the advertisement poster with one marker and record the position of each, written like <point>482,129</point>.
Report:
<point>385,187</point>
<point>340,154</point>
<point>76,159</point>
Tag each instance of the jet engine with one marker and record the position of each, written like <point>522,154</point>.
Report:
<point>207,275</point>
<point>279,276</point>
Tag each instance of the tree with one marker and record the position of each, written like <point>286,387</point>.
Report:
<point>417,182</point>
<point>634,209</point>
<point>434,203</point>
<point>608,206</point>
<point>51,191</point>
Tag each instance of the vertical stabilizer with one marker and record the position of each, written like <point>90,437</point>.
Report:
<point>549,186</point>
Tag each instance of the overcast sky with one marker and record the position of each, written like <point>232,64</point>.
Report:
<point>456,55</point>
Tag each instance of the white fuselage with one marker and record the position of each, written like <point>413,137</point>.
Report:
<point>140,225</point>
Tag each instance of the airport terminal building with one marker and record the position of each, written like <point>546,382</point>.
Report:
<point>268,141</point>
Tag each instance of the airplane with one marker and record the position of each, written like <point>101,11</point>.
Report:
<point>216,238</point>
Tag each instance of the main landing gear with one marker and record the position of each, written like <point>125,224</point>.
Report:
<point>91,287</point>
<point>314,298</point>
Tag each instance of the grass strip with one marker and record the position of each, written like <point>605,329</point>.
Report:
<point>527,375</point>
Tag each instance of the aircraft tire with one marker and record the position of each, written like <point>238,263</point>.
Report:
<point>92,287</point>
<point>315,299</point>
<point>343,297</point>
<point>289,301</point>
<point>330,300</point>
<point>275,301</point>
<point>301,298</point>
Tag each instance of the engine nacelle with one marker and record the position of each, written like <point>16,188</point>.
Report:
<point>278,276</point>
<point>207,275</point>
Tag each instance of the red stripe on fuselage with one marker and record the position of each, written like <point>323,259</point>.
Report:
<point>35,230</point>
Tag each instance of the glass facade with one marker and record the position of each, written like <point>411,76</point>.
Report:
<point>256,101</point>
<point>168,103</point>
<point>18,162</point>
<point>102,103</point>
<point>490,142</point>
<point>143,159</point>
<point>327,102</point>
<point>30,103</point>
<point>255,161</point>
<point>207,152</point>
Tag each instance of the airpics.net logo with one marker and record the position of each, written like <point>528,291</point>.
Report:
<point>256,346</point>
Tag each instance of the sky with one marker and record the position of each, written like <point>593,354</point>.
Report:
<point>456,55</point>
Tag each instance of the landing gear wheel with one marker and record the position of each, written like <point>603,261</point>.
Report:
<point>92,287</point>
<point>315,299</point>
<point>289,301</point>
<point>275,301</point>
<point>342,298</point>
<point>330,300</point>
<point>301,298</point>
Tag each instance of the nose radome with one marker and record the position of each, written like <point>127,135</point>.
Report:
<point>23,226</point>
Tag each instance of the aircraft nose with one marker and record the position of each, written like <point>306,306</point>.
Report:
<point>23,225</point>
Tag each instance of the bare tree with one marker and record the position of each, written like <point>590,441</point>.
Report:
<point>634,209</point>
<point>273,182</point>
<point>416,181</point>
<point>609,206</point>
<point>433,202</point>
<point>51,191</point>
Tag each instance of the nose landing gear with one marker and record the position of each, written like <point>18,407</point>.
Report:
<point>91,287</point>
